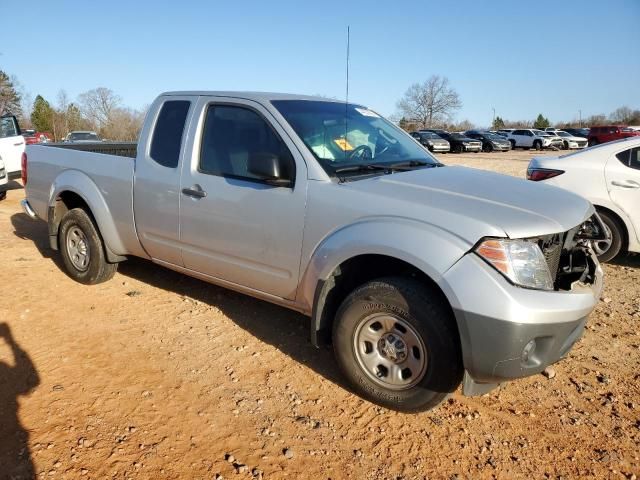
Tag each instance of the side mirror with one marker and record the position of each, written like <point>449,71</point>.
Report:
<point>270,168</point>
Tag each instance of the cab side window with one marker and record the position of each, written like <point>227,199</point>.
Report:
<point>168,132</point>
<point>232,135</point>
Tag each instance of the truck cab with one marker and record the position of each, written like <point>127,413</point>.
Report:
<point>12,145</point>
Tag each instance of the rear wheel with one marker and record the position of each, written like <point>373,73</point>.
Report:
<point>513,144</point>
<point>82,249</point>
<point>607,250</point>
<point>396,342</point>
<point>3,195</point>
<point>537,144</point>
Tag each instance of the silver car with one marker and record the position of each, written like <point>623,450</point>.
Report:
<point>432,141</point>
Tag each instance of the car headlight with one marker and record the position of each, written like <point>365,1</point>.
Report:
<point>521,261</point>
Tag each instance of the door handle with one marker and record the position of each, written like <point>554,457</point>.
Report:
<point>18,144</point>
<point>625,184</point>
<point>196,192</point>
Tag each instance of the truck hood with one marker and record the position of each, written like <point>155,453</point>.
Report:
<point>473,203</point>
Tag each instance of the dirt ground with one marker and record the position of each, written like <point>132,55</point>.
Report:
<point>157,375</point>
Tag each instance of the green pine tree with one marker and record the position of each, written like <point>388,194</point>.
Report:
<point>541,122</point>
<point>42,115</point>
<point>497,124</point>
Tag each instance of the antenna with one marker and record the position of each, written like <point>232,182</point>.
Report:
<point>346,102</point>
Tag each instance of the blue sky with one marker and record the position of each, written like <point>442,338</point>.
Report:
<point>521,58</point>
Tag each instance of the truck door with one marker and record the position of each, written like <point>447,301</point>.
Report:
<point>11,145</point>
<point>235,226</point>
<point>156,194</point>
<point>623,182</point>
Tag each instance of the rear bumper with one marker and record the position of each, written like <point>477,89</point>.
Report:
<point>26,207</point>
<point>499,322</point>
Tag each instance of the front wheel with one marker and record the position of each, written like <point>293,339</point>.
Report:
<point>513,144</point>
<point>593,142</point>
<point>565,145</point>
<point>396,342</point>
<point>3,195</point>
<point>487,147</point>
<point>82,249</point>
<point>537,145</point>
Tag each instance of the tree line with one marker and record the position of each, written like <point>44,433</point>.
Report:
<point>100,110</point>
<point>433,104</point>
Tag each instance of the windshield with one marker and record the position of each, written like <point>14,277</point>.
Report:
<point>493,136</point>
<point>541,133</point>
<point>342,135</point>
<point>83,136</point>
<point>431,135</point>
<point>564,134</point>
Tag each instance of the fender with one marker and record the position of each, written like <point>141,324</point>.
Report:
<point>428,248</point>
<point>82,185</point>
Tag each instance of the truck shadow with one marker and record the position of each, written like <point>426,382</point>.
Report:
<point>282,328</point>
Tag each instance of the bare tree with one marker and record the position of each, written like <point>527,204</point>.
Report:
<point>430,102</point>
<point>98,105</point>
<point>621,115</point>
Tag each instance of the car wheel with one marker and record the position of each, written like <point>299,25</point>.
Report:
<point>487,147</point>
<point>537,144</point>
<point>3,195</point>
<point>458,149</point>
<point>565,145</point>
<point>82,249</point>
<point>593,142</point>
<point>607,250</point>
<point>513,144</point>
<point>396,342</point>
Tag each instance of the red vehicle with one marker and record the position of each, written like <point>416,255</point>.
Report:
<point>608,133</point>
<point>31,137</point>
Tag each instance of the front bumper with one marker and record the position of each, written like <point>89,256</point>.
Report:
<point>501,147</point>
<point>439,148</point>
<point>497,320</point>
<point>471,148</point>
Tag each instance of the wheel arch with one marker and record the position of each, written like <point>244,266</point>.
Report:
<point>345,261</point>
<point>73,189</point>
<point>621,221</point>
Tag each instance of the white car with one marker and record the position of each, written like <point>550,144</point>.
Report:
<point>11,145</point>
<point>607,175</point>
<point>3,181</point>
<point>533,138</point>
<point>570,141</point>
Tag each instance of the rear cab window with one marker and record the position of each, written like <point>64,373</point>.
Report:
<point>168,133</point>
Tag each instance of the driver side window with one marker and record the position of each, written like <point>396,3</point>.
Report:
<point>232,135</point>
<point>8,127</point>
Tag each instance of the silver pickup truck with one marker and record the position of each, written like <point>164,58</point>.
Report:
<point>422,276</point>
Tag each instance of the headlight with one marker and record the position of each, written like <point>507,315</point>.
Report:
<point>521,261</point>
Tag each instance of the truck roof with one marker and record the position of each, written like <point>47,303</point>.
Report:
<point>257,96</point>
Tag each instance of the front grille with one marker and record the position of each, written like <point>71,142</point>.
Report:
<point>551,246</point>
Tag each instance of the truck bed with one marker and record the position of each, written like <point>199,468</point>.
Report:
<point>101,173</point>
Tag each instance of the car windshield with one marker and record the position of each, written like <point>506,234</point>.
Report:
<point>431,135</point>
<point>541,133</point>
<point>342,135</point>
<point>563,134</point>
<point>627,129</point>
<point>493,136</point>
<point>83,136</point>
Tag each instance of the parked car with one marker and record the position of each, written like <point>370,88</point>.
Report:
<point>490,141</point>
<point>608,176</point>
<point>82,137</point>
<point>609,133</point>
<point>459,142</point>
<point>422,276</point>
<point>577,132</point>
<point>532,138</point>
<point>570,141</point>
<point>31,137</point>
<point>432,141</point>
<point>505,131</point>
<point>3,180</point>
<point>11,145</point>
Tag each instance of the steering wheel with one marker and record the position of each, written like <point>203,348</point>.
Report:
<point>361,151</point>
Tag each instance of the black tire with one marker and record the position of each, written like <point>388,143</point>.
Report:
<point>565,145</point>
<point>487,147</point>
<point>423,310</point>
<point>3,195</point>
<point>617,237</point>
<point>458,149</point>
<point>513,144</point>
<point>537,144</point>
<point>78,222</point>
<point>593,142</point>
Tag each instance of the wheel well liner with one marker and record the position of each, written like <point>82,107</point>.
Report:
<point>349,275</point>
